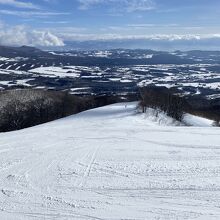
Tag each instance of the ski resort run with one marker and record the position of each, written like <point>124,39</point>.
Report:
<point>111,163</point>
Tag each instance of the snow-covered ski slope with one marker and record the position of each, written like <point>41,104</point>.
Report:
<point>110,163</point>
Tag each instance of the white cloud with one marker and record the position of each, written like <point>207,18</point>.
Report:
<point>18,4</point>
<point>20,35</point>
<point>40,38</point>
<point>155,42</point>
<point>155,37</point>
<point>122,5</point>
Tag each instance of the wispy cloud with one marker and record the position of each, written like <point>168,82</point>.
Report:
<point>32,13</point>
<point>122,5</point>
<point>151,25</point>
<point>19,4</point>
<point>56,22</point>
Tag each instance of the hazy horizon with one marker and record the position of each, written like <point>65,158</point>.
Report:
<point>109,24</point>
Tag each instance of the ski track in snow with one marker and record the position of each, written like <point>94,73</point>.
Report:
<point>110,163</point>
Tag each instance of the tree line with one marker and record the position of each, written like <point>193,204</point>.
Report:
<point>176,105</point>
<point>28,107</point>
<point>163,99</point>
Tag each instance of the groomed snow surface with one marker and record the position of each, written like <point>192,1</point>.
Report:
<point>110,163</point>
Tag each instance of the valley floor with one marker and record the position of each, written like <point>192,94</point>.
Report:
<point>110,163</point>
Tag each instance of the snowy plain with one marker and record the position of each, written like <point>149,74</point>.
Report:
<point>110,163</point>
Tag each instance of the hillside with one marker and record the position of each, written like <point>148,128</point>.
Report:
<point>110,163</point>
<point>107,72</point>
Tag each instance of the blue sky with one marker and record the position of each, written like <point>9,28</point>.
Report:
<point>53,22</point>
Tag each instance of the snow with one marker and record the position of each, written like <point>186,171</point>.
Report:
<point>125,81</point>
<point>19,67</point>
<point>195,79</point>
<point>23,82</point>
<point>8,67</point>
<point>193,120</point>
<point>13,59</point>
<point>3,58</point>
<point>66,71</point>
<point>101,54</point>
<point>149,56</point>
<point>82,88</point>
<point>110,163</point>
<point>56,72</point>
<point>160,118</point>
<point>6,83</point>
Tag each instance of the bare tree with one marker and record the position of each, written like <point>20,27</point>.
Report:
<point>162,99</point>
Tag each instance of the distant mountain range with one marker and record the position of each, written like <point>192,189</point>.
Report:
<point>154,44</point>
<point>23,51</point>
<point>112,56</point>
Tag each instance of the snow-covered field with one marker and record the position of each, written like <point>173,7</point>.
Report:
<point>110,163</point>
<point>195,79</point>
